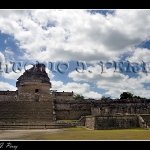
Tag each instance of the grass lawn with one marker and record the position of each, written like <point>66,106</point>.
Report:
<point>81,133</point>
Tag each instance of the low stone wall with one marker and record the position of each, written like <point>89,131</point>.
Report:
<point>34,97</point>
<point>71,114</point>
<point>145,120</point>
<point>71,109</point>
<point>8,95</point>
<point>111,122</point>
<point>90,122</point>
<point>63,95</point>
<point>108,107</point>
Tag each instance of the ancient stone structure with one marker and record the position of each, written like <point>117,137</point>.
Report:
<point>33,104</point>
<point>112,122</point>
<point>63,95</point>
<point>8,95</point>
<point>117,121</point>
<point>34,84</point>
<point>71,109</point>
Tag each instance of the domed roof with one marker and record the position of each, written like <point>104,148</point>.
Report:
<point>35,74</point>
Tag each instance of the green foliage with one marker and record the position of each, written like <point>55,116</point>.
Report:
<point>104,97</point>
<point>138,97</point>
<point>78,97</point>
<point>128,95</point>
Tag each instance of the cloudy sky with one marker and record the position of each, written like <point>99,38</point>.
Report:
<point>91,52</point>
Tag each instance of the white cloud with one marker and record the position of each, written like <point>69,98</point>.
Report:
<point>13,13</point>
<point>49,73</point>
<point>144,77</point>
<point>4,86</point>
<point>140,54</point>
<point>2,61</point>
<point>115,83</point>
<point>5,41</point>
<point>8,51</point>
<point>2,58</point>
<point>9,54</point>
<point>93,95</point>
<point>76,34</point>
<point>78,88</point>
<point>14,74</point>
<point>54,35</point>
<point>17,73</point>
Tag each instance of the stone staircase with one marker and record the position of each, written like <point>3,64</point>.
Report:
<point>144,121</point>
<point>28,115</point>
<point>35,126</point>
<point>25,112</point>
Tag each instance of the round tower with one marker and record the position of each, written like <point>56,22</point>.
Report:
<point>34,83</point>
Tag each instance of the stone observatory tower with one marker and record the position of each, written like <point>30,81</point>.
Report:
<point>34,84</point>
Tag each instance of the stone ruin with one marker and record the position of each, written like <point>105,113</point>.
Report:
<point>34,84</point>
<point>32,105</point>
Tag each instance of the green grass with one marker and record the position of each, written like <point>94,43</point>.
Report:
<point>81,133</point>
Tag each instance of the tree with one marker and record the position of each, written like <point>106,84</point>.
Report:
<point>138,97</point>
<point>105,98</point>
<point>126,95</point>
<point>78,97</point>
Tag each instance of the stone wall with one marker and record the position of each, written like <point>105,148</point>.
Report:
<point>30,88</point>
<point>8,95</point>
<point>112,122</point>
<point>120,106</point>
<point>34,97</point>
<point>90,122</point>
<point>71,114</point>
<point>25,112</point>
<point>63,95</point>
<point>41,107</point>
<point>71,109</point>
<point>146,120</point>
<point>76,108</point>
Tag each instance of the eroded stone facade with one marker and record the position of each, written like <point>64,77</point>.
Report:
<point>33,103</point>
<point>34,84</point>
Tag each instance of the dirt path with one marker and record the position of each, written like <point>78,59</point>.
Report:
<point>18,134</point>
